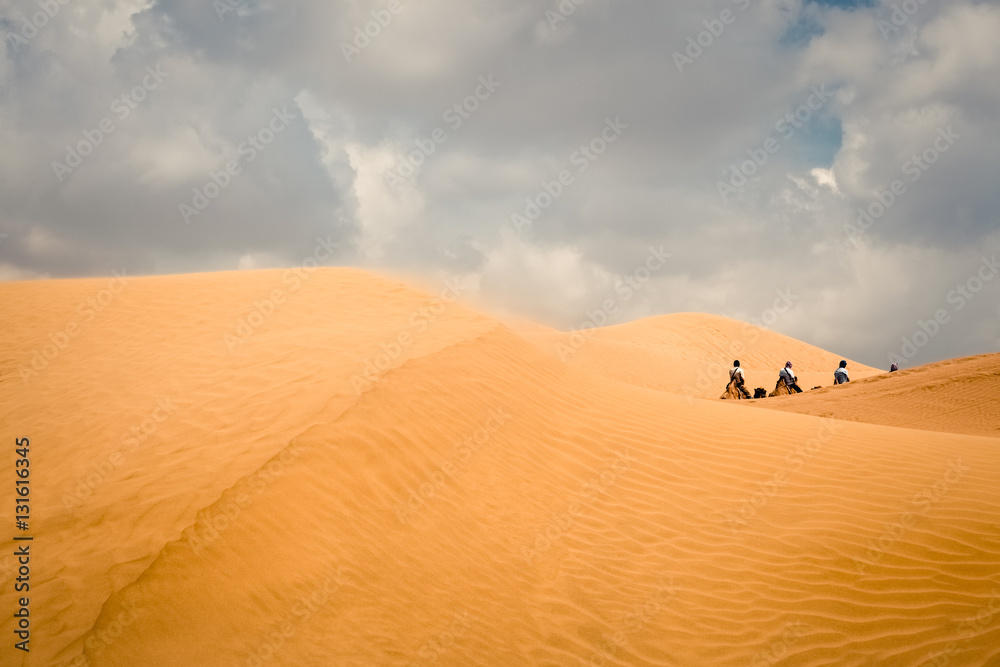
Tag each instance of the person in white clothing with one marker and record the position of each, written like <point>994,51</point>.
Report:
<point>737,379</point>
<point>840,375</point>
<point>786,375</point>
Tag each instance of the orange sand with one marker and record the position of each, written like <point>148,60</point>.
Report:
<point>953,396</point>
<point>203,500</point>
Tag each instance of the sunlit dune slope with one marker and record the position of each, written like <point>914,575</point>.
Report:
<point>954,396</point>
<point>476,503</point>
<point>691,354</point>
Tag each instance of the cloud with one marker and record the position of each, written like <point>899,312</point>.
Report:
<point>363,85</point>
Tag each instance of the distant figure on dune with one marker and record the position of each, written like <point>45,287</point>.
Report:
<point>840,375</point>
<point>787,382</point>
<point>894,367</point>
<point>736,389</point>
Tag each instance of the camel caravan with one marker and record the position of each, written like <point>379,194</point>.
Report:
<point>787,383</point>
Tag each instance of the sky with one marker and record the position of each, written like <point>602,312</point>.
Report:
<point>826,169</point>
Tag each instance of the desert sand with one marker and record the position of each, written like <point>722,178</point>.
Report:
<point>332,468</point>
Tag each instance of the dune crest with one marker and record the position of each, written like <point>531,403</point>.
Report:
<point>952,396</point>
<point>691,354</point>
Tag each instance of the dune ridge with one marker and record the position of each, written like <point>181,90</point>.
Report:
<point>952,396</point>
<point>474,502</point>
<point>691,354</point>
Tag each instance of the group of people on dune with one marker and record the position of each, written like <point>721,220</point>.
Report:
<point>787,382</point>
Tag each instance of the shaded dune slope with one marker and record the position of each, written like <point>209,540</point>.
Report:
<point>476,503</point>
<point>953,396</point>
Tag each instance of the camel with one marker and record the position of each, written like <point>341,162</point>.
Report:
<point>735,391</point>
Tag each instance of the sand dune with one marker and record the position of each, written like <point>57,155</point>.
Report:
<point>375,476</point>
<point>954,396</point>
<point>691,354</point>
